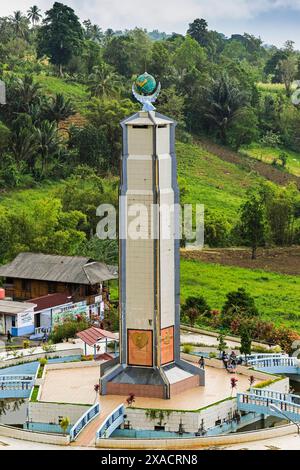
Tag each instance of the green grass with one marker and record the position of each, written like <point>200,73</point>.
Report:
<point>75,91</point>
<point>271,87</point>
<point>25,197</point>
<point>35,393</point>
<point>267,155</point>
<point>277,296</point>
<point>206,179</point>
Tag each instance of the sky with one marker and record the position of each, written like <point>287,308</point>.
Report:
<point>275,21</point>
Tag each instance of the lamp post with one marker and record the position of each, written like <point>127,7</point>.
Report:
<point>279,411</point>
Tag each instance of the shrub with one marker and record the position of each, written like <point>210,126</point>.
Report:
<point>187,348</point>
<point>68,329</point>
<point>238,304</point>
<point>212,355</point>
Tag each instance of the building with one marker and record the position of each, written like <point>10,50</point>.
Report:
<point>150,363</point>
<point>32,275</point>
<point>16,317</point>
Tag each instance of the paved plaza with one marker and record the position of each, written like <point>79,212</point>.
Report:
<point>77,386</point>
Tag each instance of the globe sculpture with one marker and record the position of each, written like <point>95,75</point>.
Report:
<point>145,84</point>
<point>146,91</point>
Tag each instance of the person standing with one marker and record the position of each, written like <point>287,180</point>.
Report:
<point>8,334</point>
<point>201,362</point>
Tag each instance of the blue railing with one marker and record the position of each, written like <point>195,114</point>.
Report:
<point>111,423</point>
<point>88,416</point>
<point>253,402</point>
<point>289,397</point>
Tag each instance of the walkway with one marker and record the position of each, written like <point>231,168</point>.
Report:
<point>87,437</point>
<point>269,402</point>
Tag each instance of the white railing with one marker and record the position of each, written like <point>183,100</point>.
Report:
<point>16,385</point>
<point>275,362</point>
<point>16,377</point>
<point>255,403</point>
<point>289,397</point>
<point>111,423</point>
<point>255,357</point>
<point>88,416</point>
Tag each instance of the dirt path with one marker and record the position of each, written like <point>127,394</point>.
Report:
<point>263,169</point>
<point>280,260</point>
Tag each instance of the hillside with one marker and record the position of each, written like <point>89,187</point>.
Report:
<point>277,296</point>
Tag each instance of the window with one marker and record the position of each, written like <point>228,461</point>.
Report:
<point>13,321</point>
<point>26,285</point>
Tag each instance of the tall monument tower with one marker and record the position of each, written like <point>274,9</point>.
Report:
<point>150,363</point>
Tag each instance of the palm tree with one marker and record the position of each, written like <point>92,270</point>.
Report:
<point>20,24</point>
<point>59,108</point>
<point>34,14</point>
<point>103,82</point>
<point>48,142</point>
<point>223,103</point>
<point>27,91</point>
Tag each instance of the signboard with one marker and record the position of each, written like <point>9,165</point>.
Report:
<point>2,93</point>
<point>77,309</point>
<point>25,319</point>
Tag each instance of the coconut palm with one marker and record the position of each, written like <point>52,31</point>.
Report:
<point>20,24</point>
<point>34,14</point>
<point>103,82</point>
<point>223,103</point>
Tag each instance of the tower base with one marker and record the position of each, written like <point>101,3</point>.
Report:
<point>163,382</point>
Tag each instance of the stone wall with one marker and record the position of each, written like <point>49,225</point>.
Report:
<point>25,435</point>
<point>190,421</point>
<point>42,412</point>
<point>196,442</point>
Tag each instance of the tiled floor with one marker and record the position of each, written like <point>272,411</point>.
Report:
<point>77,386</point>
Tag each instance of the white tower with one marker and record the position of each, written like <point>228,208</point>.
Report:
<point>149,305</point>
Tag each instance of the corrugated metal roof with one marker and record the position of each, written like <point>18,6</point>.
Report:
<point>68,269</point>
<point>92,335</point>
<point>11,307</point>
<point>51,300</point>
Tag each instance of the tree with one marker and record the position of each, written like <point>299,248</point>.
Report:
<point>192,314</point>
<point>199,303</point>
<point>189,55</point>
<point>59,108</point>
<point>34,14</point>
<point>60,36</point>
<point>48,143</point>
<point>198,31</point>
<point>222,343</point>
<point>245,343</point>
<point>64,424</point>
<point>288,70</point>
<point>103,82</point>
<point>239,304</point>
<point>20,24</point>
<point>233,384</point>
<point>223,104</point>
<point>253,222</point>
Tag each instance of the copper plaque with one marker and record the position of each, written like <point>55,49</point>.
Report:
<point>140,350</point>
<point>167,345</point>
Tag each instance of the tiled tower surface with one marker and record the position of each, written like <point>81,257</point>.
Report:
<point>150,363</point>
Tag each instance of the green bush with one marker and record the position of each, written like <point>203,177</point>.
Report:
<point>187,348</point>
<point>68,329</point>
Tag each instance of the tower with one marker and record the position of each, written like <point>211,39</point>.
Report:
<point>150,363</point>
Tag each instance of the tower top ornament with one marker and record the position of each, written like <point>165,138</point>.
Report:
<point>145,90</point>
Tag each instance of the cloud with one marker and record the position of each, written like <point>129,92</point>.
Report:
<point>167,15</point>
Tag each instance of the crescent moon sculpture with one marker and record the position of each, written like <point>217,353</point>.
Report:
<point>147,100</point>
